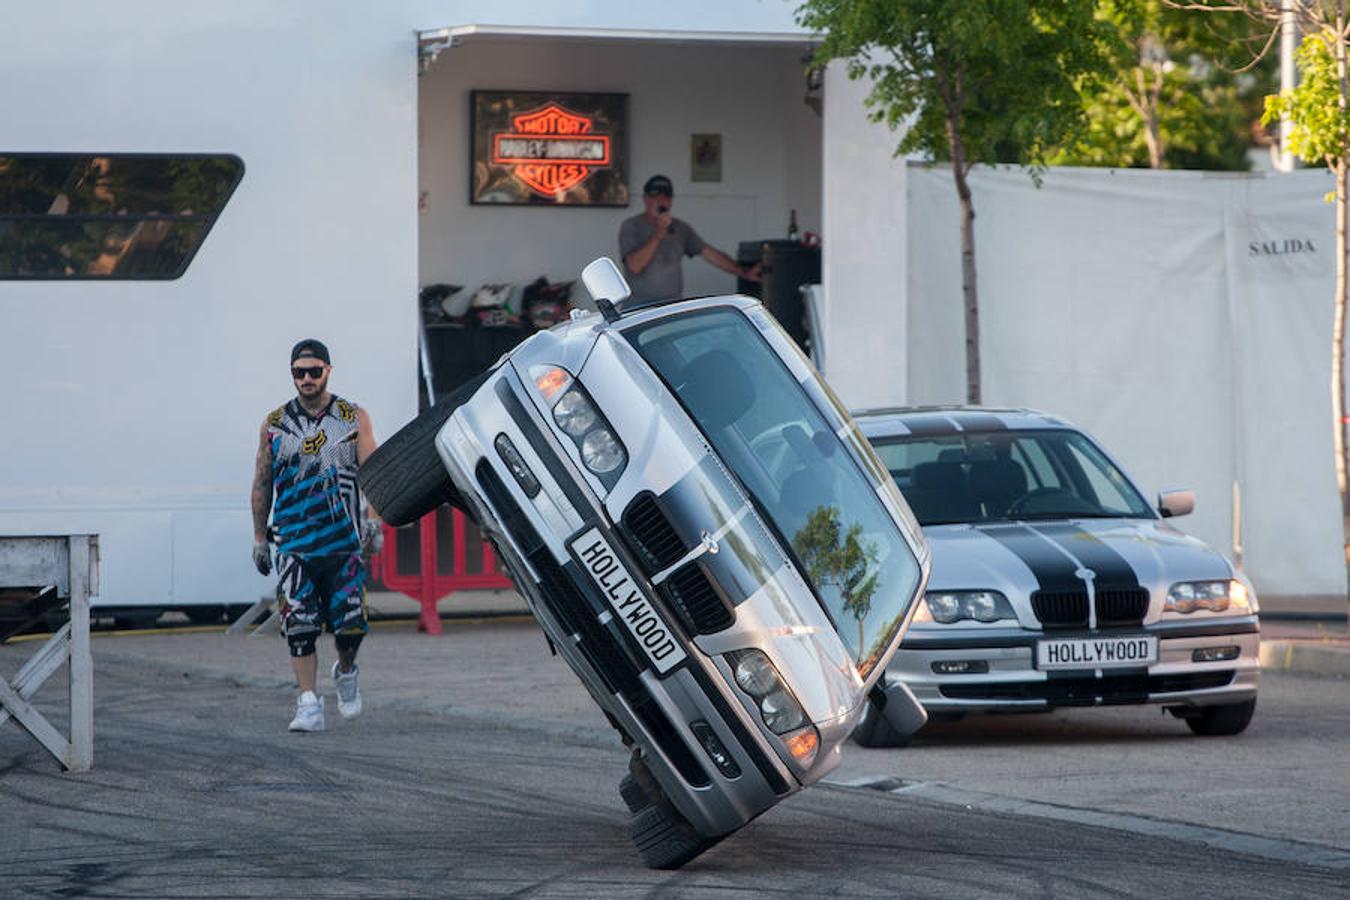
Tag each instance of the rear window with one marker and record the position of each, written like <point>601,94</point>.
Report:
<point>109,216</point>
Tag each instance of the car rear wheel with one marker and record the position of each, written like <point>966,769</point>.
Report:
<point>404,479</point>
<point>1214,721</point>
<point>663,837</point>
<point>875,731</point>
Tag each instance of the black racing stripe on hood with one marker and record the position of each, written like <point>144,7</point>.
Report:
<point>1052,569</point>
<point>930,425</point>
<point>1112,570</point>
<point>973,421</point>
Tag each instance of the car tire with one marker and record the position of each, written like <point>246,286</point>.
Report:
<point>875,731</point>
<point>1220,721</point>
<point>663,838</point>
<point>404,479</point>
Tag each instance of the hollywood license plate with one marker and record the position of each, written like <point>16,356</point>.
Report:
<point>629,604</point>
<point>1097,653</point>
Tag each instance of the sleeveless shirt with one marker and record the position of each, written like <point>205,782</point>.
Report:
<point>316,506</point>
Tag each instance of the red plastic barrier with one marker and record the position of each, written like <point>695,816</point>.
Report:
<point>433,580</point>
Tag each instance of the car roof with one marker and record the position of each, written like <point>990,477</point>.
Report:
<point>943,420</point>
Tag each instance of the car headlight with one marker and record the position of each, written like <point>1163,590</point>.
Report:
<point>600,451</point>
<point>574,413</point>
<point>1227,595</point>
<point>756,675</point>
<point>577,417</point>
<point>781,712</point>
<point>947,607</point>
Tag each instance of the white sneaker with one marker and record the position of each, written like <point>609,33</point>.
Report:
<point>308,713</point>
<point>349,695</point>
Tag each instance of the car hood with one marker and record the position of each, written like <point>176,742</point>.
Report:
<point>1018,558</point>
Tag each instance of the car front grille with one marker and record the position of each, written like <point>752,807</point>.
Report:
<point>1069,609</point>
<point>1061,609</point>
<point>603,647</point>
<point>1124,606</point>
<point>692,597</point>
<point>651,535</point>
<point>1134,687</point>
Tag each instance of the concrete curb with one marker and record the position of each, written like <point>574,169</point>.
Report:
<point>1306,658</point>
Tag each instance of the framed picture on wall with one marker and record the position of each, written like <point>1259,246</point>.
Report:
<point>556,149</point>
<point>705,157</point>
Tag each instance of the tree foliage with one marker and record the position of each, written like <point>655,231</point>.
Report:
<point>1183,92</point>
<point>1006,71</point>
<point>1321,126</point>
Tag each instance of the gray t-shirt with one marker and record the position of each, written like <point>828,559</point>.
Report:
<point>663,278</point>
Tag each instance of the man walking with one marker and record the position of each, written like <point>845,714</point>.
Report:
<point>305,478</point>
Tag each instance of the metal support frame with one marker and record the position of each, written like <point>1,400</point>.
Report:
<point>270,625</point>
<point>70,562</point>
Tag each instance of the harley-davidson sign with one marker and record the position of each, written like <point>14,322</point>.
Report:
<point>549,148</point>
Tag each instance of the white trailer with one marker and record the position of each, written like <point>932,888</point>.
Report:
<point>132,405</point>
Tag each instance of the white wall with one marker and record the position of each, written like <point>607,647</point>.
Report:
<point>864,265</point>
<point>752,96</point>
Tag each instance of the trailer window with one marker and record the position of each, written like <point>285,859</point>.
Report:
<point>108,216</point>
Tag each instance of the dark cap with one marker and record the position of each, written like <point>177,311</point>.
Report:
<point>658,184</point>
<point>310,347</point>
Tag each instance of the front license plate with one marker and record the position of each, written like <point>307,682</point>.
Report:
<point>1096,653</point>
<point>646,626</point>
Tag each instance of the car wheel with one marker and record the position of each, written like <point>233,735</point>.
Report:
<point>663,837</point>
<point>404,479</point>
<point>875,731</point>
<point>1214,721</point>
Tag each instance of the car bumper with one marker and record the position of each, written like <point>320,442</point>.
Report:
<point>658,712</point>
<point>1014,683</point>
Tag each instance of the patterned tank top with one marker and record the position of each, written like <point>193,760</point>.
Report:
<point>316,506</point>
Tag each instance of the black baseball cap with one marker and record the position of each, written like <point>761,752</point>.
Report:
<point>311,347</point>
<point>658,184</point>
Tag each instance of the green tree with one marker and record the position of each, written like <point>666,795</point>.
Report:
<point>969,82</point>
<point>1179,95</point>
<point>838,558</point>
<point>1319,112</point>
<point>1319,109</point>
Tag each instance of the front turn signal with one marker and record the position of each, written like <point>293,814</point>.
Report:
<point>803,745</point>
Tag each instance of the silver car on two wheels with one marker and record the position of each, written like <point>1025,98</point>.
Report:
<point>704,536</point>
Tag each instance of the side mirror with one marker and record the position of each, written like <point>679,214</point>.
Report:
<point>606,285</point>
<point>897,703</point>
<point>1176,503</point>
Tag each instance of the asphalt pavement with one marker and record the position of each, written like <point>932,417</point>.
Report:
<point>481,769</point>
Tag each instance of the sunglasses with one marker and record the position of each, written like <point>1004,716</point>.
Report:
<point>299,372</point>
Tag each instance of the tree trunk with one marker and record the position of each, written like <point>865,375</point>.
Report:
<point>1339,405</point>
<point>950,90</point>
<point>969,291</point>
<point>1153,140</point>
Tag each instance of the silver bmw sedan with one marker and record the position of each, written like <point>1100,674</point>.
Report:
<point>1054,582</point>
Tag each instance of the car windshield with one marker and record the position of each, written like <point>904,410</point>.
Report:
<point>1008,475</point>
<point>768,432</point>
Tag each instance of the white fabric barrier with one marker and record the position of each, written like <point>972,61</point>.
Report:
<point>1183,318</point>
